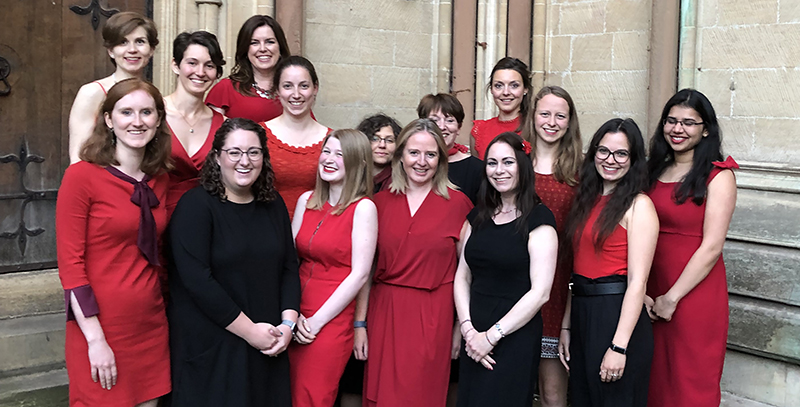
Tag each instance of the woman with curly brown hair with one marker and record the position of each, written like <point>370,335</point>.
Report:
<point>233,279</point>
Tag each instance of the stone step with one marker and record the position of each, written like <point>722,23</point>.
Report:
<point>43,389</point>
<point>31,344</point>
<point>30,293</point>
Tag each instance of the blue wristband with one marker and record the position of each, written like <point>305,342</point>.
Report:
<point>360,324</point>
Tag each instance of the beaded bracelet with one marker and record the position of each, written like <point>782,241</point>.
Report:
<point>500,330</point>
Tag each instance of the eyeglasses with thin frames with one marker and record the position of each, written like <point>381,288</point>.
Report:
<point>235,154</point>
<point>620,156</point>
<point>685,123</point>
<point>378,139</point>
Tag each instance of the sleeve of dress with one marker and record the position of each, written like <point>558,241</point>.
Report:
<point>72,214</point>
<point>218,95</point>
<point>541,215</point>
<point>290,280</point>
<point>191,237</point>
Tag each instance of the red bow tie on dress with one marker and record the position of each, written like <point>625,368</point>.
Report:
<point>145,199</point>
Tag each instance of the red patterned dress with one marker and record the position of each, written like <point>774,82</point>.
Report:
<point>484,131</point>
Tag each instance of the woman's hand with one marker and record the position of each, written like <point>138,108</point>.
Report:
<point>306,330</point>
<point>104,366</point>
<point>263,336</point>
<point>648,306</point>
<point>478,348</point>
<point>664,307</point>
<point>612,367</point>
<point>563,347</point>
<point>455,347</point>
<point>282,339</point>
<point>360,344</point>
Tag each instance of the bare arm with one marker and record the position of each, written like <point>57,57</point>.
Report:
<point>299,211</point>
<point>565,336</point>
<point>642,231</point>
<point>720,203</point>
<point>101,357</point>
<point>82,117</point>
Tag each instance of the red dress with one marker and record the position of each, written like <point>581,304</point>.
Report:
<point>184,176</point>
<point>484,131</point>
<point>325,250</point>
<point>295,168</point>
<point>411,309</point>
<point>255,108</point>
<point>558,197</point>
<point>97,227</point>
<point>690,349</point>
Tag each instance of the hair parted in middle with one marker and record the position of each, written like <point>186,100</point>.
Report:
<point>242,72</point>
<point>294,60</point>
<point>357,157</point>
<point>441,182</point>
<point>210,176</point>
<point>447,103</point>
<point>568,153</point>
<point>202,38</point>
<point>521,68</point>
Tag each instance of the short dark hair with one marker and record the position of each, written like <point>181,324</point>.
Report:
<point>121,24</point>
<point>203,38</point>
<point>294,60</point>
<point>447,103</point>
<point>210,178</point>
<point>373,124</point>
<point>242,72</point>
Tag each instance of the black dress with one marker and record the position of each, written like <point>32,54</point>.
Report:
<point>466,174</point>
<point>499,261</point>
<point>228,258</point>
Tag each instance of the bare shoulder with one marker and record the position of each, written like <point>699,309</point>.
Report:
<point>365,208</point>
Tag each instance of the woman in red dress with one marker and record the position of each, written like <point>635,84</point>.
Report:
<point>249,91</point>
<point>410,315</point>
<point>510,84</point>
<point>197,60</point>
<point>130,39</point>
<point>555,136</point>
<point>612,231</point>
<point>294,138</point>
<point>110,215</point>
<point>332,269</point>
<point>694,193</point>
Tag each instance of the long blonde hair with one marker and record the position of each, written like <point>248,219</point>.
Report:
<point>441,182</point>
<point>357,157</point>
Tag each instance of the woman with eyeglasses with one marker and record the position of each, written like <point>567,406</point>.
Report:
<point>382,132</point>
<point>611,231</point>
<point>694,193</point>
<point>234,287</point>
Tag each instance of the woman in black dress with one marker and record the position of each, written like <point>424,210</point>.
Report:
<point>234,283</point>
<point>503,279</point>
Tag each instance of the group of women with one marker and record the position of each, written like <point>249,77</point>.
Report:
<point>199,236</point>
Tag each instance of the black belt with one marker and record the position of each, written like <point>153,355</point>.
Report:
<point>587,290</point>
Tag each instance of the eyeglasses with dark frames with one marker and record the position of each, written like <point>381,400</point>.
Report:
<point>253,154</point>
<point>686,123</point>
<point>620,156</point>
<point>378,139</point>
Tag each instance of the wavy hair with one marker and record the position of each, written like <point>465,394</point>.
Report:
<point>121,24</point>
<point>202,38</point>
<point>521,68</point>
<point>357,157</point>
<point>242,72</point>
<point>568,152</point>
<point>709,148</point>
<point>101,148</point>
<point>210,176</point>
<point>590,188</point>
<point>373,124</point>
<point>526,199</point>
<point>441,182</point>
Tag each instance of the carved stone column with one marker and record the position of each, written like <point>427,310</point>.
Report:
<point>208,15</point>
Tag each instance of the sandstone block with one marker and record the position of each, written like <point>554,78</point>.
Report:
<point>401,15</point>
<point>707,13</point>
<point>764,216</point>
<point>560,53</point>
<point>738,136</point>
<point>789,11</point>
<point>767,93</point>
<point>619,93</point>
<point>752,46</point>
<point>738,12</point>
<point>592,52</point>
<point>630,51</point>
<point>413,50</point>
<point>343,85</point>
<point>582,18</point>
<point>776,141</point>
<point>354,45</point>
<point>628,15</point>
<point>716,85</point>
<point>763,271</point>
<point>395,87</point>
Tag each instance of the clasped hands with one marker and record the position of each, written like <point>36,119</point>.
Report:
<point>307,330</point>
<point>269,339</point>
<point>477,346</point>
<point>662,307</point>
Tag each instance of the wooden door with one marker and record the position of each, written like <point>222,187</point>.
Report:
<point>48,49</point>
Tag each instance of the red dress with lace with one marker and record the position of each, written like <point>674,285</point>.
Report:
<point>256,108</point>
<point>689,350</point>
<point>484,131</point>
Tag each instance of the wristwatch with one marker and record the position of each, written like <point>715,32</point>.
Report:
<point>291,324</point>
<point>618,349</point>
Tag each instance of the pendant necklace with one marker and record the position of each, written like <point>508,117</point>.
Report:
<point>191,126</point>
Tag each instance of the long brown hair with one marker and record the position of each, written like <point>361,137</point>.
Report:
<point>242,72</point>
<point>101,149</point>
<point>357,157</point>
<point>441,183</point>
<point>568,153</point>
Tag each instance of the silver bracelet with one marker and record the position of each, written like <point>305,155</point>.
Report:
<point>500,330</point>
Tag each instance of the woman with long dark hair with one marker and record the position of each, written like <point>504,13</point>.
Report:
<point>510,87</point>
<point>611,231</point>
<point>694,193</point>
<point>110,216</point>
<point>503,279</point>
<point>249,91</point>
<point>234,287</point>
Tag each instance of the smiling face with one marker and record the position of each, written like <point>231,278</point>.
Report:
<point>383,146</point>
<point>616,147</point>
<point>331,162</point>
<point>296,90</point>
<point>134,120</point>
<point>551,119</point>
<point>196,72</point>
<point>420,158</point>
<point>507,90</point>
<point>264,51</point>
<point>448,125</point>
<point>134,52</point>
<point>688,130</point>
<point>238,176</point>
<point>501,168</point>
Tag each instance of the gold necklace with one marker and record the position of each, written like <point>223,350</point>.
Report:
<point>191,126</point>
